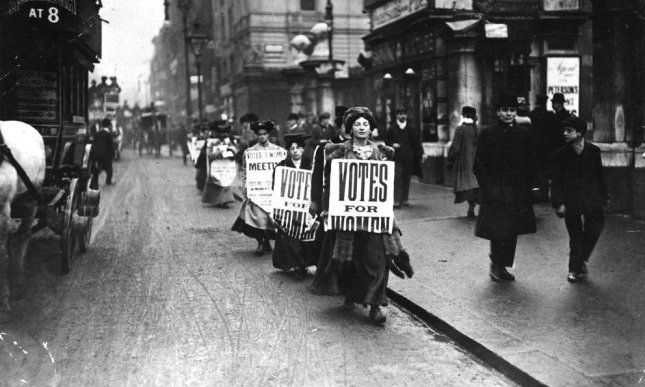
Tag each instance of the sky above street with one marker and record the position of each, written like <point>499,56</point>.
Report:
<point>127,44</point>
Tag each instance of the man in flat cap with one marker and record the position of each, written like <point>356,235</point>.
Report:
<point>504,167</point>
<point>579,193</point>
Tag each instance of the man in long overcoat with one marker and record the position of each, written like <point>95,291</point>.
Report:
<point>407,157</point>
<point>547,138</point>
<point>102,153</point>
<point>504,167</point>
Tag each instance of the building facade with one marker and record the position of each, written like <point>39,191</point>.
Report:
<point>433,56</point>
<point>257,70</point>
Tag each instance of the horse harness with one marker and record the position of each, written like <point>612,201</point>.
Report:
<point>5,152</point>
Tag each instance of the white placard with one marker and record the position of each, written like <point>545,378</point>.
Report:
<point>563,76</point>
<point>259,175</point>
<point>222,171</point>
<point>291,197</point>
<point>361,196</point>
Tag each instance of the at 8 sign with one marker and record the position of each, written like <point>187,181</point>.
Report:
<point>53,15</point>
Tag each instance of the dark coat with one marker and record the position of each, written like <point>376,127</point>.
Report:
<point>317,175</point>
<point>103,146</point>
<point>410,151</point>
<point>504,167</point>
<point>578,181</point>
<point>547,133</point>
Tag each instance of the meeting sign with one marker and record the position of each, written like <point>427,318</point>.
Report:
<point>259,175</point>
<point>361,196</point>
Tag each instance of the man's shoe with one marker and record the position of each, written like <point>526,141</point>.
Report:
<point>573,277</point>
<point>499,273</point>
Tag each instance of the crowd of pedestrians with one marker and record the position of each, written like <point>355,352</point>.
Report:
<point>526,157</point>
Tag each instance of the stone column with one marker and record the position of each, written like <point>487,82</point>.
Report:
<point>464,79</point>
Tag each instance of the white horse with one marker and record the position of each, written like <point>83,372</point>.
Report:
<point>27,147</point>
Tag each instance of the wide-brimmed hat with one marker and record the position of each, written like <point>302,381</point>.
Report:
<point>558,97</point>
<point>220,127</point>
<point>249,117</point>
<point>264,125</point>
<point>356,112</point>
<point>507,100</point>
<point>298,138</point>
<point>576,123</point>
<point>468,111</point>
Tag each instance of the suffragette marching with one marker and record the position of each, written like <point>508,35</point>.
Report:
<point>254,219</point>
<point>291,196</point>
<point>359,197</point>
<point>220,188</point>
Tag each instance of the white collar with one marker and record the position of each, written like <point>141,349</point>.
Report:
<point>402,125</point>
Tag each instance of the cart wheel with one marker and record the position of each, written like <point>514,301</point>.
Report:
<point>68,234</point>
<point>85,234</point>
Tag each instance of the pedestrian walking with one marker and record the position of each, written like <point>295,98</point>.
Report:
<point>325,281</point>
<point>291,254</point>
<point>547,138</point>
<point>252,220</point>
<point>504,167</point>
<point>406,142</point>
<point>102,154</point>
<point>461,158</point>
<point>221,169</point>
<point>182,139</point>
<point>579,193</point>
<point>363,258</point>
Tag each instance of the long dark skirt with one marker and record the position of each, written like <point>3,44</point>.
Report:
<point>219,196</point>
<point>326,279</point>
<point>254,222</point>
<point>290,253</point>
<point>365,277</point>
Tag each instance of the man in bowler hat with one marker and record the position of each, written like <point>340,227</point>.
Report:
<point>504,167</point>
<point>557,103</point>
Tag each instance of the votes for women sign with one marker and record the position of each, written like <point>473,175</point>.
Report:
<point>361,196</point>
<point>291,196</point>
<point>259,175</point>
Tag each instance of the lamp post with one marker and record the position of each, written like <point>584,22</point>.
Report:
<point>184,7</point>
<point>197,42</point>
<point>329,19</point>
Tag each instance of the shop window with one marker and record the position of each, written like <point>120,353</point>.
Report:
<point>307,5</point>
<point>511,74</point>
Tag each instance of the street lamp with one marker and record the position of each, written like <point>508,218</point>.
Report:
<point>184,7</point>
<point>197,42</point>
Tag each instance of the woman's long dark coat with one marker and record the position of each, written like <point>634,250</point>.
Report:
<point>504,166</point>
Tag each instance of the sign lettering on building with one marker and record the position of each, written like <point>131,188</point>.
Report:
<point>561,5</point>
<point>453,4</point>
<point>563,76</point>
<point>14,5</point>
<point>395,10</point>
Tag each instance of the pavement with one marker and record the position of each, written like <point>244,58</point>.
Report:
<point>561,334</point>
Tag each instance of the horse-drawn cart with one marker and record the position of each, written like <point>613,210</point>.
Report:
<point>46,51</point>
